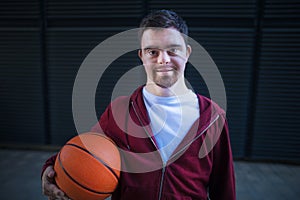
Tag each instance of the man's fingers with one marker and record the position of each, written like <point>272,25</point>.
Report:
<point>49,188</point>
<point>51,174</point>
<point>55,193</point>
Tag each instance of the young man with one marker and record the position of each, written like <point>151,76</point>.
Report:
<point>174,143</point>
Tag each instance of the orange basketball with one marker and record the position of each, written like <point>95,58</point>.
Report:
<point>88,167</point>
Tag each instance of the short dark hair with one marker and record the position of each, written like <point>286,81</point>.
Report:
<point>164,19</point>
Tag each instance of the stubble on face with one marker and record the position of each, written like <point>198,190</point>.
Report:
<point>165,79</point>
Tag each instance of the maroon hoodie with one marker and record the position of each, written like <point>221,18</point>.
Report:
<point>200,166</point>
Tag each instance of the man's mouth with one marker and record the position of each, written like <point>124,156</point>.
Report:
<point>164,69</point>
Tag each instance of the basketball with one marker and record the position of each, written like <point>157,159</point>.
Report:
<point>88,167</point>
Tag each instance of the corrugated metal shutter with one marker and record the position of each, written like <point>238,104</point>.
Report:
<point>21,101</point>
<point>246,38</point>
<point>66,51</point>
<point>276,132</point>
<point>94,13</point>
<point>208,8</point>
<point>94,9</point>
<point>75,28</point>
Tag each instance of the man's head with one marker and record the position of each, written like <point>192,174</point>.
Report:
<point>164,19</point>
<point>164,51</point>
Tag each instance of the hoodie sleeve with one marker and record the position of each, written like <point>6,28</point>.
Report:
<point>222,180</point>
<point>50,161</point>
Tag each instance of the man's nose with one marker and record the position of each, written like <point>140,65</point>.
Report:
<point>163,58</point>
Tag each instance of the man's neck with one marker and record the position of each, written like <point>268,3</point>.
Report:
<point>179,88</point>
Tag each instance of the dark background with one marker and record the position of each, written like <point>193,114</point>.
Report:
<point>255,44</point>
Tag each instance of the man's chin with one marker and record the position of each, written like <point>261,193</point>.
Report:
<point>165,84</point>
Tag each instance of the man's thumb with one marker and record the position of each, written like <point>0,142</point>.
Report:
<point>51,173</point>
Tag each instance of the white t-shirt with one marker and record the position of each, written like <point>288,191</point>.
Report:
<point>171,118</point>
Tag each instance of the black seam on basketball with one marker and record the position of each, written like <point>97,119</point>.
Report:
<point>97,158</point>
<point>76,182</point>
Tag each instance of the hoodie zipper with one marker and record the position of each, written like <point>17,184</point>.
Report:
<point>178,152</point>
<point>164,163</point>
<point>140,120</point>
<point>162,180</point>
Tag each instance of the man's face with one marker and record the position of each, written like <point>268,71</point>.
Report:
<point>164,55</point>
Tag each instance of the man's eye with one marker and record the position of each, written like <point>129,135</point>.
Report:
<point>173,51</point>
<point>152,52</point>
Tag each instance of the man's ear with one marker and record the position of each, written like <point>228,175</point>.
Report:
<point>188,51</point>
<point>140,54</point>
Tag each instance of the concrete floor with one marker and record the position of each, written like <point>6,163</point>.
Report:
<point>20,178</point>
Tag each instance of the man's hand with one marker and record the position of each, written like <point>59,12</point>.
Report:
<point>49,187</point>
